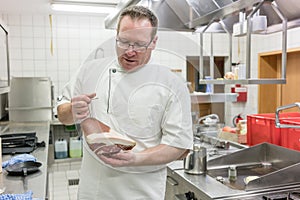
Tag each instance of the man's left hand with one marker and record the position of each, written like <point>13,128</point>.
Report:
<point>121,159</point>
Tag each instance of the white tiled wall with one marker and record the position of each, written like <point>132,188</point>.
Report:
<point>72,39</point>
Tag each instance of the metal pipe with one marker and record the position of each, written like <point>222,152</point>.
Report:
<point>248,42</point>
<point>201,62</point>
<point>229,38</point>
<point>284,40</point>
<point>215,116</point>
<point>211,61</point>
<point>277,121</point>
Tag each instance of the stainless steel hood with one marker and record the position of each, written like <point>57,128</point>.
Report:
<point>190,15</point>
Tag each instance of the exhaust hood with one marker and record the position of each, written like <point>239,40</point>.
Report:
<point>192,15</point>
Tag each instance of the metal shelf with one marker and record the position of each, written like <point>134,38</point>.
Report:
<point>4,90</point>
<point>198,97</point>
<point>244,81</point>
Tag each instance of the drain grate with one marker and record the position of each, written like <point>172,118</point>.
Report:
<point>73,181</point>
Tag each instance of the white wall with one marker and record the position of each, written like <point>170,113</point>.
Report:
<point>72,37</point>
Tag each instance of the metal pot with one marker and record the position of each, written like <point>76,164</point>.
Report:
<point>196,162</point>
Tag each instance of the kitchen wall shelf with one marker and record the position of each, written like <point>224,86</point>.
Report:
<point>198,97</point>
<point>244,81</point>
<point>4,90</point>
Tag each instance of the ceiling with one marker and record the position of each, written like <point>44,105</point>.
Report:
<point>38,6</point>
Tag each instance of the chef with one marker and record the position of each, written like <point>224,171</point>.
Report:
<point>140,100</point>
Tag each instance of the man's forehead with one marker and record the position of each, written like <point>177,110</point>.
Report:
<point>136,33</point>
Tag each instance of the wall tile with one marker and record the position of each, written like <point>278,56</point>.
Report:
<point>38,73</point>
<point>62,32</point>
<point>27,54</point>
<point>97,22</point>
<point>14,31</point>
<point>84,22</point>
<point>40,65</point>
<point>73,44</point>
<point>15,54</point>
<point>39,20</point>
<point>39,31</point>
<point>39,54</point>
<point>60,21</point>
<point>27,43</point>
<point>73,21</point>
<point>15,65</point>
<point>62,43</point>
<point>39,43</point>
<point>73,33</point>
<point>28,65</point>
<point>26,20</point>
<point>14,20</point>
<point>26,31</point>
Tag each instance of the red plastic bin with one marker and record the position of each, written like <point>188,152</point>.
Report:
<point>290,137</point>
<point>261,127</point>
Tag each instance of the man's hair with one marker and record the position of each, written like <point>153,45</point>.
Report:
<point>139,12</point>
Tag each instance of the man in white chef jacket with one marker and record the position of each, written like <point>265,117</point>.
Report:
<point>139,99</point>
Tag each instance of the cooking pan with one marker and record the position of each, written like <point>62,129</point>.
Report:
<point>23,168</point>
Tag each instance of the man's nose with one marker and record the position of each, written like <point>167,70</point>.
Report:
<point>130,50</point>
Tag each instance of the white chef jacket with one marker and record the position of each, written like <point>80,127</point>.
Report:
<point>151,105</point>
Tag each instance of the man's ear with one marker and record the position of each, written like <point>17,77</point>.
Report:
<point>153,43</point>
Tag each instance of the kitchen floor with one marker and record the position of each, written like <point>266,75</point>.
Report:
<point>63,180</point>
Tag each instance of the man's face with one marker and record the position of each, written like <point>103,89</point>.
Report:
<point>134,43</point>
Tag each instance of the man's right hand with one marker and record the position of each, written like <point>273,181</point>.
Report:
<point>80,106</point>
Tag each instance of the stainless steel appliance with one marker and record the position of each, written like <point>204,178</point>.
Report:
<point>30,99</point>
<point>3,104</point>
<point>4,68</point>
<point>276,170</point>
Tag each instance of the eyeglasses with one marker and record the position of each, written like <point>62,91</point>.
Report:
<point>135,46</point>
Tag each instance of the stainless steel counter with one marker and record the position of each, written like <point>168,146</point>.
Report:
<point>36,182</point>
<point>203,186</point>
<point>277,179</point>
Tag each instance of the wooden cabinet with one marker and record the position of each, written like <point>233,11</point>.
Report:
<point>274,95</point>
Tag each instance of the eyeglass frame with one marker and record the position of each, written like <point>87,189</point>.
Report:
<point>134,45</point>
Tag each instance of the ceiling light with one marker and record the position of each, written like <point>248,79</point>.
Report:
<point>82,8</point>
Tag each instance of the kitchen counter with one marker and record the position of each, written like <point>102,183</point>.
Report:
<point>36,182</point>
<point>203,186</point>
<point>181,185</point>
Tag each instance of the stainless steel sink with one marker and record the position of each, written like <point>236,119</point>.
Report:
<point>273,165</point>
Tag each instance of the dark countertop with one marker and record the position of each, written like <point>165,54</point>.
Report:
<point>36,182</point>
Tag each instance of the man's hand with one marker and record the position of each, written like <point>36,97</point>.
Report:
<point>158,155</point>
<point>121,159</point>
<point>104,149</point>
<point>80,106</point>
